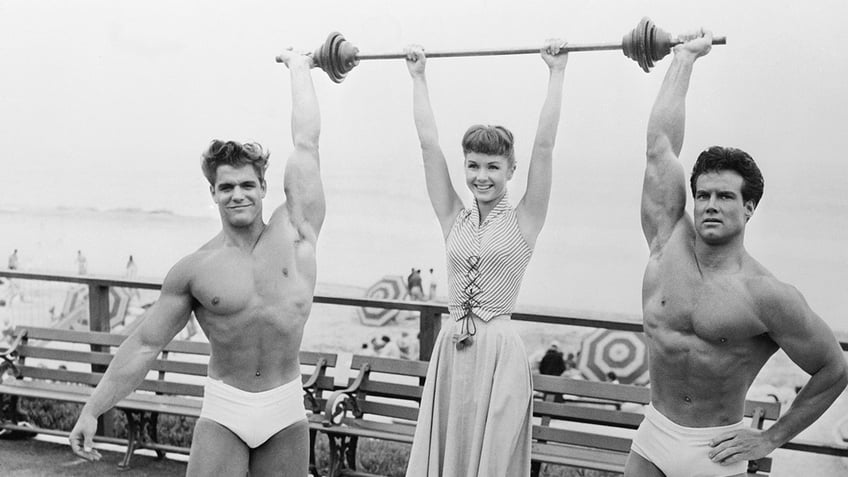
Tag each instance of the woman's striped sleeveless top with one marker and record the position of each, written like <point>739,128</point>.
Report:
<point>486,262</point>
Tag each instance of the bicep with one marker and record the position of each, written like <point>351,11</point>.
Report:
<point>443,197</point>
<point>800,332</point>
<point>304,189</point>
<point>168,315</point>
<point>663,201</point>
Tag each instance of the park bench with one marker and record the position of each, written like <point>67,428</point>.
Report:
<point>380,402</point>
<point>577,423</point>
<point>65,365</point>
<point>590,424</point>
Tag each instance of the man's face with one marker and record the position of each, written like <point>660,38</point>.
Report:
<point>720,213</point>
<point>238,191</point>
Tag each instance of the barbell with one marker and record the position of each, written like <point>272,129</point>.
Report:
<point>645,44</point>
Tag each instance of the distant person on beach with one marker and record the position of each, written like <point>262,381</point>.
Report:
<point>409,281</point>
<point>82,263</point>
<point>431,286</point>
<point>552,363</point>
<point>488,248</point>
<point>132,268</point>
<point>713,315</point>
<point>13,260</point>
<point>251,289</point>
<point>416,290</point>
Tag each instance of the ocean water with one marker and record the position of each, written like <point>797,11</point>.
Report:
<point>590,255</point>
<point>106,160</point>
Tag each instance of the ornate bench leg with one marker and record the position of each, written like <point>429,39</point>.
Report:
<point>535,468</point>
<point>151,430</point>
<point>134,426</point>
<point>342,454</point>
<point>313,467</point>
<point>350,452</point>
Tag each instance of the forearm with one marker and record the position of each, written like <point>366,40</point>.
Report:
<point>811,402</point>
<point>306,117</point>
<point>125,373</point>
<point>422,110</point>
<point>668,117</point>
<point>551,111</point>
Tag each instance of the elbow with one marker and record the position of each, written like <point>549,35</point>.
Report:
<point>307,142</point>
<point>842,379</point>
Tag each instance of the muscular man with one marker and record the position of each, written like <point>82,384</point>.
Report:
<point>251,288</point>
<point>714,315</point>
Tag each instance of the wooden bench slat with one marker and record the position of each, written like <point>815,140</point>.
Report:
<point>392,390</point>
<point>587,414</point>
<point>597,459</point>
<point>391,365</point>
<point>591,389</point>
<point>580,438</point>
<point>167,387</point>
<point>104,358</point>
<point>396,411</point>
<point>106,339</point>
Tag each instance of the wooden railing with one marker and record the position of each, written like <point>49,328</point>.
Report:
<point>429,321</point>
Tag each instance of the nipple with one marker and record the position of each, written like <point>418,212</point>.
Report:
<point>258,373</point>
<point>216,300</point>
<point>723,340</point>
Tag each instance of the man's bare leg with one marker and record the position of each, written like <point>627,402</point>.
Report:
<point>286,453</point>
<point>215,450</point>
<point>638,466</point>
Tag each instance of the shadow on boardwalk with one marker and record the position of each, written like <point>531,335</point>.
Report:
<point>37,458</point>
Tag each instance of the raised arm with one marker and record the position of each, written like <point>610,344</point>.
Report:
<point>302,181</point>
<point>135,356</point>
<point>809,343</point>
<point>446,202</point>
<point>664,187</point>
<point>533,207</point>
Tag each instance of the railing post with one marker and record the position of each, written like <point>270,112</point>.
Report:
<point>429,325</point>
<point>98,307</point>
<point>98,320</point>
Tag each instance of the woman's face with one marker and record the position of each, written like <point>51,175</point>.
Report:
<point>487,175</point>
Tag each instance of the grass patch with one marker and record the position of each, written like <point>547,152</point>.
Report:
<point>373,456</point>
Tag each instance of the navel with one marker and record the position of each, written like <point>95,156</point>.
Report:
<point>723,340</point>
<point>285,272</point>
<point>662,302</point>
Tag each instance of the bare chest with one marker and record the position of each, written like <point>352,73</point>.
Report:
<point>233,283</point>
<point>679,300</point>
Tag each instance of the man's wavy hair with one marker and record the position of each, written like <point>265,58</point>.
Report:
<point>490,140</point>
<point>234,154</point>
<point>718,158</point>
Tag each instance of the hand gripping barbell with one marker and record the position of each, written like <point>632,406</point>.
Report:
<point>645,44</point>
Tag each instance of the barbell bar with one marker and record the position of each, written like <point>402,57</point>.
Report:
<point>645,44</point>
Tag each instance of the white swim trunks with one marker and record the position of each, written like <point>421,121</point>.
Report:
<point>680,451</point>
<point>253,417</point>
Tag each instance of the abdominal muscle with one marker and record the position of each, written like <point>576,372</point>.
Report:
<point>257,348</point>
<point>695,384</point>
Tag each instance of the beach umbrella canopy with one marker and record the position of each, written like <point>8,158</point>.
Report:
<point>390,287</point>
<point>622,352</point>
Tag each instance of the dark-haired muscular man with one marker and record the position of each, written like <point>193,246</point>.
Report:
<point>714,315</point>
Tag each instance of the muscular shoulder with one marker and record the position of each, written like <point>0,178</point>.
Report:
<point>179,277</point>
<point>778,303</point>
<point>284,223</point>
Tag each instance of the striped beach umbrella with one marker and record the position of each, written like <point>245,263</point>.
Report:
<point>390,287</point>
<point>624,353</point>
